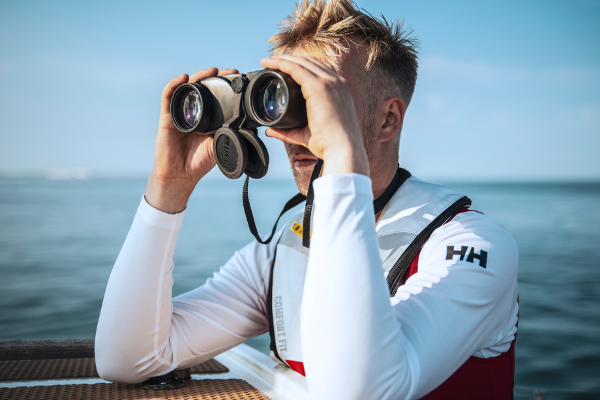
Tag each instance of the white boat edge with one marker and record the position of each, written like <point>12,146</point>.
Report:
<point>244,362</point>
<point>273,379</point>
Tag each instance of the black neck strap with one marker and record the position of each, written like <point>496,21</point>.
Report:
<point>310,196</point>
<point>399,178</point>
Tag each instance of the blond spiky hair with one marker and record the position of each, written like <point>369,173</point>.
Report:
<point>328,28</point>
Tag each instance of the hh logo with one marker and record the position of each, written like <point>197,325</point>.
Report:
<point>482,256</point>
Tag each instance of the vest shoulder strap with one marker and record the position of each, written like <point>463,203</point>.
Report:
<point>397,275</point>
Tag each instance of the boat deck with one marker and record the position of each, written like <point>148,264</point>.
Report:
<point>240,373</point>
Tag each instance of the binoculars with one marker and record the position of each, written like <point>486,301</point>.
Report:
<point>233,106</point>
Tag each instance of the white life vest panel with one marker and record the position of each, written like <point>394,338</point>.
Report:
<point>402,225</point>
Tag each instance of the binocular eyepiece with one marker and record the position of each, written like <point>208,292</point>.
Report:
<point>233,105</point>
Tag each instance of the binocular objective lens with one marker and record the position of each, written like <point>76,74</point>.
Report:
<point>274,99</point>
<point>192,109</point>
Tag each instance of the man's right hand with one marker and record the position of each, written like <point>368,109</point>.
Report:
<point>180,159</point>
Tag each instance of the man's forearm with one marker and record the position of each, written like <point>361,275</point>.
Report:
<point>142,332</point>
<point>136,310</point>
<point>347,318</point>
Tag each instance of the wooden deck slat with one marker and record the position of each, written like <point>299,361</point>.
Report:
<point>63,359</point>
<point>27,370</point>
<point>207,389</point>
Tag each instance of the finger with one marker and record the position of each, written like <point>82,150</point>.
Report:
<point>291,136</point>
<point>204,73</point>
<point>324,65</point>
<point>299,73</point>
<point>228,71</point>
<point>165,100</point>
<point>317,67</point>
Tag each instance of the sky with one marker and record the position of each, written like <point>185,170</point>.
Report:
<point>507,91</point>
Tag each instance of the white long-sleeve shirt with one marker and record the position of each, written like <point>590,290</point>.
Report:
<point>377,347</point>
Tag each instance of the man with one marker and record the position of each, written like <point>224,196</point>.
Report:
<point>447,332</point>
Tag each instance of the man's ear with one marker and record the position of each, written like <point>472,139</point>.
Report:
<point>393,110</point>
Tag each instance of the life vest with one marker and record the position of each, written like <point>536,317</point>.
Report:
<point>411,215</point>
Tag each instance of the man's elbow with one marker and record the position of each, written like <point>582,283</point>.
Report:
<point>115,365</point>
<point>113,370</point>
<point>113,373</point>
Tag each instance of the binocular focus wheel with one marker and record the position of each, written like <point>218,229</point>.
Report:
<point>231,153</point>
<point>258,157</point>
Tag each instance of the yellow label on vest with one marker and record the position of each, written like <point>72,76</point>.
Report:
<point>298,229</point>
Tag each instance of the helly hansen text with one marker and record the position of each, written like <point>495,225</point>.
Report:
<point>462,252</point>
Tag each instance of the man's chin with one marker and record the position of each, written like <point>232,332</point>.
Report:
<point>302,176</point>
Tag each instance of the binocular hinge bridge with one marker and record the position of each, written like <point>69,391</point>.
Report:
<point>236,122</point>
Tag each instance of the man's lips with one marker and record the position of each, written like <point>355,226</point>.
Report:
<point>304,161</point>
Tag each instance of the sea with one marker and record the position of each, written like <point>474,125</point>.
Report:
<point>60,238</point>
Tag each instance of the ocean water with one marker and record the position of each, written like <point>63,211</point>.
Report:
<point>59,240</point>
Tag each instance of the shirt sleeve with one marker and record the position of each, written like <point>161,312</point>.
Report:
<point>143,332</point>
<point>404,347</point>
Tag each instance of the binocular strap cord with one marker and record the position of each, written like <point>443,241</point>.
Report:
<point>293,202</point>
<point>378,205</point>
<point>310,197</point>
<point>399,178</point>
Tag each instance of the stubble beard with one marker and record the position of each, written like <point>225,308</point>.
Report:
<point>302,175</point>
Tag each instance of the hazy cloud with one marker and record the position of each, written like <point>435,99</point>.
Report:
<point>482,72</point>
<point>103,70</point>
